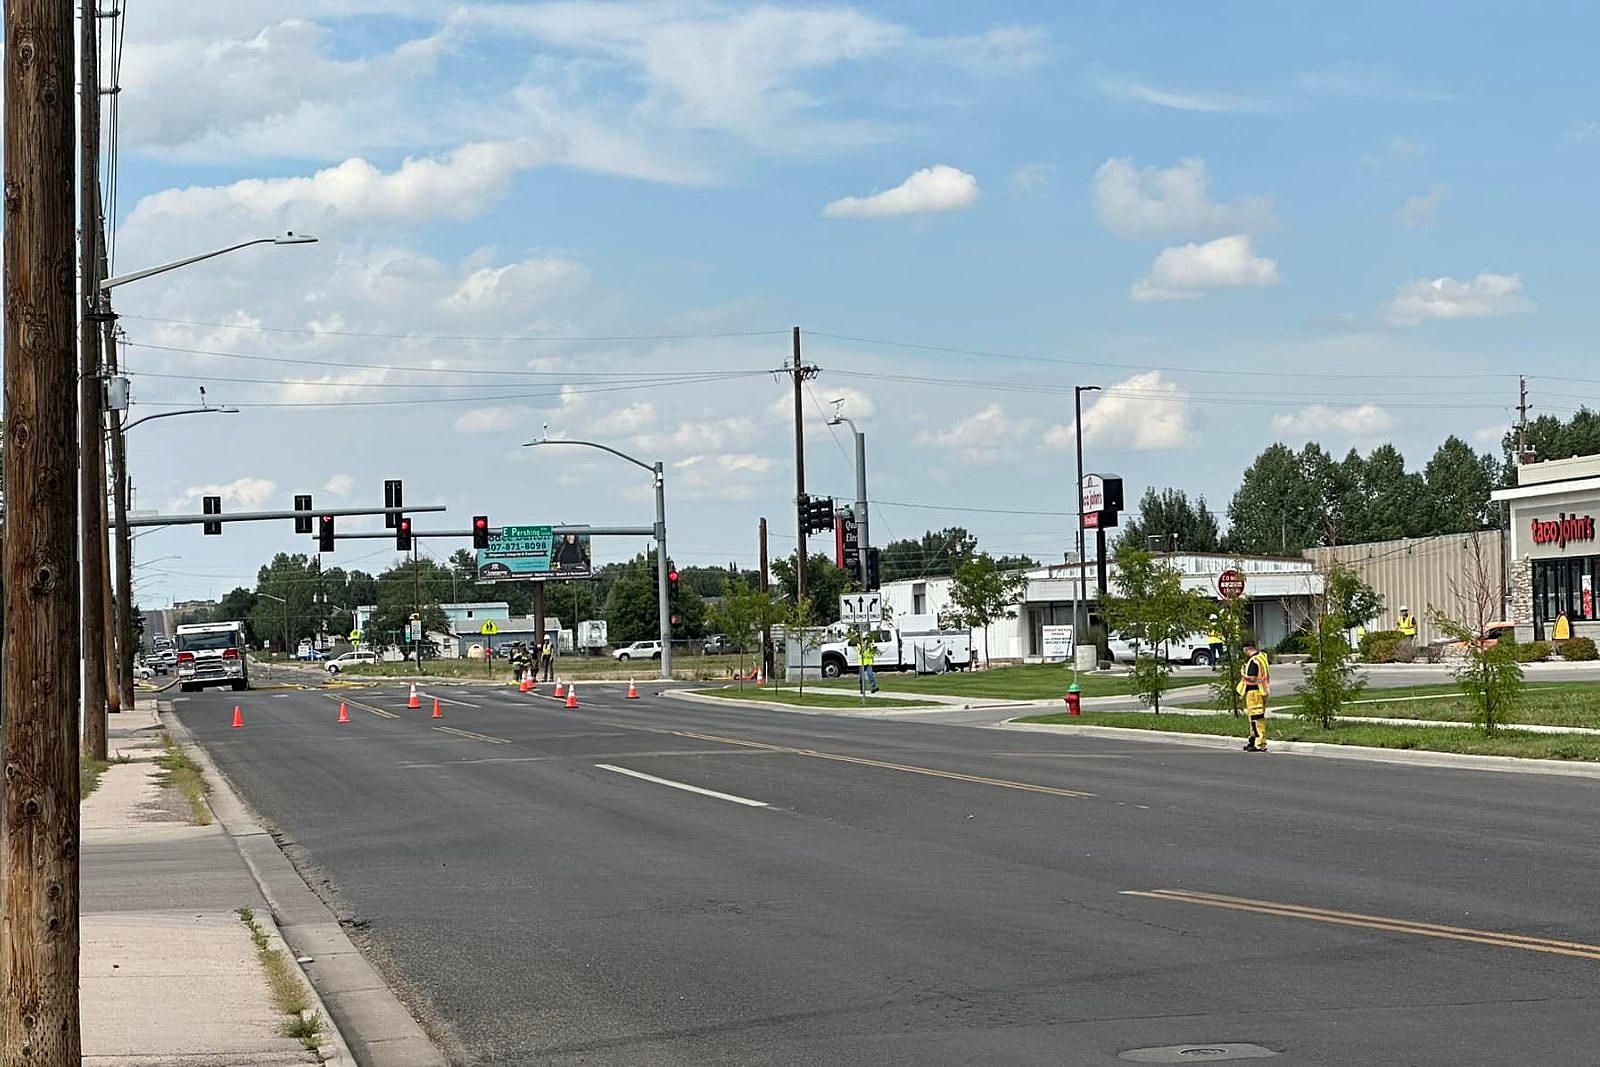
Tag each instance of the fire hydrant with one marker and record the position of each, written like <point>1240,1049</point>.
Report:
<point>1074,701</point>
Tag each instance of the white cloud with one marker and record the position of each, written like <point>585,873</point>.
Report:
<point>1192,270</point>
<point>1446,298</point>
<point>928,191</point>
<point>1365,420</point>
<point>1171,200</point>
<point>724,476</point>
<point>243,494</point>
<point>488,420</point>
<point>340,485</point>
<point>1031,177</point>
<point>1489,435</point>
<point>1418,211</point>
<point>1361,81</point>
<point>1119,87</point>
<point>710,435</point>
<point>820,405</point>
<point>981,439</point>
<point>625,421</point>
<point>1144,413</point>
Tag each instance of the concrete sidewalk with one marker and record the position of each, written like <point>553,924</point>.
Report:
<point>169,973</point>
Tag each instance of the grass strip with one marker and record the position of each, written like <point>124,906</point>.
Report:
<point>183,774</point>
<point>811,698</point>
<point>289,994</point>
<point>1456,739</point>
<point>1031,681</point>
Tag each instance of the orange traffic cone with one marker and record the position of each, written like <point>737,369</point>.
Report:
<point>572,696</point>
<point>633,690</point>
<point>414,702</point>
<point>344,712</point>
<point>238,717</point>
<point>560,692</point>
<point>437,714</point>
<point>525,686</point>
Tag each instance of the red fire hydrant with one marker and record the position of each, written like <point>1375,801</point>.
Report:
<point>1074,700</point>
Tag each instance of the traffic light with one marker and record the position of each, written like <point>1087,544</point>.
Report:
<point>325,534</point>
<point>302,523</point>
<point>819,513</point>
<point>392,499</point>
<point>211,505</point>
<point>672,596</point>
<point>480,531</point>
<point>873,576</point>
<point>402,534</point>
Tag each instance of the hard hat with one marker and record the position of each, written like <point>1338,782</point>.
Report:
<point>1404,608</point>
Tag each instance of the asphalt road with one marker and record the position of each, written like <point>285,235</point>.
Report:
<point>920,894</point>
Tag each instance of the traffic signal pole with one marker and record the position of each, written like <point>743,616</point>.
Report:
<point>661,571</point>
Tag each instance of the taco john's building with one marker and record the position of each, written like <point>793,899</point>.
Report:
<point>1553,552</point>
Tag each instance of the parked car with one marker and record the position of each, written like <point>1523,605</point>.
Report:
<point>311,655</point>
<point>718,644</point>
<point>143,671</point>
<point>1194,648</point>
<point>638,650</point>
<point>164,660</point>
<point>350,659</point>
<point>1488,639</point>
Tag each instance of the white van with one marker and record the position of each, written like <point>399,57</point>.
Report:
<point>212,653</point>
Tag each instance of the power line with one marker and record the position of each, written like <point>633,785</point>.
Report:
<point>513,338</point>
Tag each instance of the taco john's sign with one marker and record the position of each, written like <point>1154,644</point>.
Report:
<point>1563,529</point>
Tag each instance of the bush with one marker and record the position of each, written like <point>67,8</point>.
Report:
<point>1532,652</point>
<point>1577,648</point>
<point>1381,646</point>
<point>1406,650</point>
<point>1298,643</point>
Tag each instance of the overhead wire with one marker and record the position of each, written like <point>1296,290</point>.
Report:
<point>505,338</point>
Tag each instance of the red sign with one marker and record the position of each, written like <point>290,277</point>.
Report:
<point>1565,528</point>
<point>1091,520</point>
<point>1230,583</point>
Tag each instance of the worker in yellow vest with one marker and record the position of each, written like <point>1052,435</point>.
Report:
<point>1407,623</point>
<point>1255,685</point>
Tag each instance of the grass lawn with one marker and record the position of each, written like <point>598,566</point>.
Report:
<point>1430,738</point>
<point>688,668</point>
<point>811,699</point>
<point>1033,681</point>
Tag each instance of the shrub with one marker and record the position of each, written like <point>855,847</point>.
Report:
<point>1578,648</point>
<point>1406,650</point>
<point>1380,646</point>
<point>1532,652</point>
<point>1296,644</point>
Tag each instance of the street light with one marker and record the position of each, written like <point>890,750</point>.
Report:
<point>1077,620</point>
<point>658,476</point>
<point>285,603</point>
<point>119,447</point>
<point>861,489</point>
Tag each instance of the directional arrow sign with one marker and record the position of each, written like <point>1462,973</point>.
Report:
<point>861,609</point>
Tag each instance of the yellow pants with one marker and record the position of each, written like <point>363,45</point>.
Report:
<point>1255,705</point>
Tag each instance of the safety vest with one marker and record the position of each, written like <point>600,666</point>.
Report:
<point>1407,626</point>
<point>869,654</point>
<point>1256,674</point>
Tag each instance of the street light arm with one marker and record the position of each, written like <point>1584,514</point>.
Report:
<point>651,467</point>
<point>107,284</point>
<point>185,411</point>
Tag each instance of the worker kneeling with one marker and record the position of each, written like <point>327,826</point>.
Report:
<point>1255,685</point>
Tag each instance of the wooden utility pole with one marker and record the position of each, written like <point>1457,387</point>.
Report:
<point>802,373</point>
<point>766,626</point>
<point>91,445</point>
<point>39,790</point>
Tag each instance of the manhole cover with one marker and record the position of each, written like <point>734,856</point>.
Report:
<point>1210,1053</point>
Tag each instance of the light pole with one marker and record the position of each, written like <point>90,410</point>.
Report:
<point>284,601</point>
<point>119,448</point>
<point>658,476</point>
<point>861,493</point>
<point>1079,606</point>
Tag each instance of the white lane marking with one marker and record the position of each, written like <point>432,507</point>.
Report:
<point>681,785</point>
<point>448,700</point>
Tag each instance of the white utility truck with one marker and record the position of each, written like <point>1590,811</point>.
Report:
<point>212,653</point>
<point>910,643</point>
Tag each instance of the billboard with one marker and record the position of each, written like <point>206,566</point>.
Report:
<point>535,553</point>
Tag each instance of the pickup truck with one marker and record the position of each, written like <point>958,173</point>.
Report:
<point>916,644</point>
<point>1194,648</point>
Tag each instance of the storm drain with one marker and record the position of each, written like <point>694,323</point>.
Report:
<point>1197,1053</point>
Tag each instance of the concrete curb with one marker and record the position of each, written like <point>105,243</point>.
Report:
<point>368,1024</point>
<point>1404,757</point>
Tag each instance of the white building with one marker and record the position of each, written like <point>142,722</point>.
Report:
<point>1278,591</point>
<point>1554,546</point>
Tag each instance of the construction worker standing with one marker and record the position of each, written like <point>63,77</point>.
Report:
<point>1255,685</point>
<point>869,655</point>
<point>1407,623</point>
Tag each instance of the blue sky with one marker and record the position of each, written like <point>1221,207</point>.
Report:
<point>1247,222</point>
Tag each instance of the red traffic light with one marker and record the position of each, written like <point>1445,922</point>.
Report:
<point>672,576</point>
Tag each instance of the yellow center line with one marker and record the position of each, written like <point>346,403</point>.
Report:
<point>364,707</point>
<point>954,776</point>
<point>473,736</point>
<point>1496,938</point>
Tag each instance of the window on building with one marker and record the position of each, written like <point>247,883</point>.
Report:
<point>919,600</point>
<point>1567,585</point>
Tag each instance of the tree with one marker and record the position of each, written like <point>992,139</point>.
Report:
<point>285,608</point>
<point>632,607</point>
<point>1332,682</point>
<point>400,588</point>
<point>1352,599</point>
<point>933,554</point>
<point>825,583</point>
<point>1459,481</point>
<point>1392,501</point>
<point>240,604</point>
<point>1168,515</point>
<point>1287,502</point>
<point>1152,607</point>
<point>1227,622</point>
<point>744,615</point>
<point>1551,438</point>
<point>1489,673</point>
<point>981,593</point>
<point>801,627</point>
